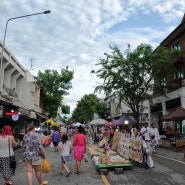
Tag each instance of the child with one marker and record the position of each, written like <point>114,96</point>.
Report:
<point>66,147</point>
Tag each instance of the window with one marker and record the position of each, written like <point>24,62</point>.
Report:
<point>163,82</point>
<point>179,73</point>
<point>176,46</point>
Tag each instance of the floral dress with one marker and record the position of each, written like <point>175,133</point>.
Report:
<point>31,147</point>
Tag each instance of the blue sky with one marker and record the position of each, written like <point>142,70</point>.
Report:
<point>77,32</point>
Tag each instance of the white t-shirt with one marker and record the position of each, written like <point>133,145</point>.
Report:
<point>65,148</point>
<point>155,132</point>
<point>146,134</point>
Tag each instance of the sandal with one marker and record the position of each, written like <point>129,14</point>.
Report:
<point>78,173</point>
<point>8,183</point>
<point>44,182</point>
<point>68,174</point>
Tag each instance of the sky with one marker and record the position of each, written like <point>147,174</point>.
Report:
<point>77,33</point>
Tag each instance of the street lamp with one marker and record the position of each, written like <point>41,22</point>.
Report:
<point>1,65</point>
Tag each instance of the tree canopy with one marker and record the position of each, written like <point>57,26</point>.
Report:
<point>54,86</point>
<point>131,75</point>
<point>86,107</point>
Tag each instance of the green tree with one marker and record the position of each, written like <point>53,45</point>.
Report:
<point>54,86</point>
<point>100,108</point>
<point>131,75</point>
<point>86,107</point>
<point>65,109</point>
<point>163,68</point>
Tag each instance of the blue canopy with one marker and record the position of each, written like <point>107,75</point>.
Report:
<point>122,120</point>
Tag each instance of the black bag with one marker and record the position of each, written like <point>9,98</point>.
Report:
<point>13,162</point>
<point>152,137</point>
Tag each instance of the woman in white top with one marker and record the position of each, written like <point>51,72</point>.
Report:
<point>66,147</point>
<point>154,137</point>
<point>7,142</point>
<point>145,132</point>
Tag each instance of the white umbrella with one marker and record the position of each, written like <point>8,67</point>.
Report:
<point>98,121</point>
<point>60,123</point>
<point>77,124</point>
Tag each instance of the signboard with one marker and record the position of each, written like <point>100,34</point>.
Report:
<point>10,113</point>
<point>15,117</point>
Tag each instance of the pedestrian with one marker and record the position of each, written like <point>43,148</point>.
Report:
<point>145,132</point>
<point>154,137</point>
<point>70,132</point>
<point>7,142</point>
<point>66,148</point>
<point>56,138</point>
<point>146,135</point>
<point>32,152</point>
<point>79,144</point>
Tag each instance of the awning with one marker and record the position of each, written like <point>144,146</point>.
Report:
<point>50,122</point>
<point>177,115</point>
<point>41,115</point>
<point>24,111</point>
<point>32,115</point>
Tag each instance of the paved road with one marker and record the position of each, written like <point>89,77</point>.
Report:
<point>88,175</point>
<point>169,170</point>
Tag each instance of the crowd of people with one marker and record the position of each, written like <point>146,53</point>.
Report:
<point>66,140</point>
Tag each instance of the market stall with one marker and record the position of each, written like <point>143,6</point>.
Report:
<point>106,158</point>
<point>46,140</point>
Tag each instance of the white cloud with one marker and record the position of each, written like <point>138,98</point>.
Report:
<point>78,32</point>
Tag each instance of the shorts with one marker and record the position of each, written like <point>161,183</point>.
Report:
<point>35,163</point>
<point>64,158</point>
<point>55,143</point>
<point>38,162</point>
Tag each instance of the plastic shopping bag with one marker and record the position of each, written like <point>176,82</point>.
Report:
<point>150,161</point>
<point>46,168</point>
<point>85,157</point>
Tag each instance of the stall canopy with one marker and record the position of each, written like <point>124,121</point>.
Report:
<point>60,123</point>
<point>177,115</point>
<point>98,121</point>
<point>77,124</point>
<point>123,119</point>
<point>50,122</point>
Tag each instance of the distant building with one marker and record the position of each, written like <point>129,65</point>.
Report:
<point>116,110</point>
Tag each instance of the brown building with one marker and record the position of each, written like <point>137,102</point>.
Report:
<point>174,96</point>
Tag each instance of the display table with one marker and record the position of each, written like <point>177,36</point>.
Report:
<point>46,140</point>
<point>105,160</point>
<point>115,162</point>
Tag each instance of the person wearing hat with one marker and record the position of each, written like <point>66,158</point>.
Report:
<point>32,152</point>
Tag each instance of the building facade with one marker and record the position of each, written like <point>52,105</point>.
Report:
<point>19,93</point>
<point>174,96</point>
<point>117,110</point>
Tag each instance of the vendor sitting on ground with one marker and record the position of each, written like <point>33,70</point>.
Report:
<point>106,133</point>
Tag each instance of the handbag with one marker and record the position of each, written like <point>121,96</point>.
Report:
<point>12,161</point>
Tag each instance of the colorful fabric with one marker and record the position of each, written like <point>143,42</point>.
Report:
<point>5,169</point>
<point>31,147</point>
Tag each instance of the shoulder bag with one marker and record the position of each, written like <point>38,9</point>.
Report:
<point>12,161</point>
